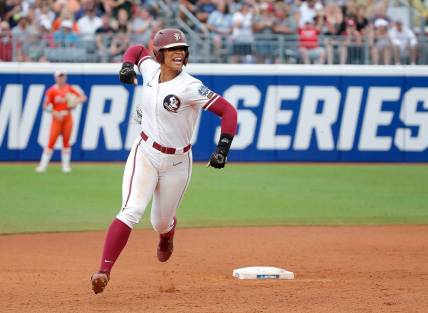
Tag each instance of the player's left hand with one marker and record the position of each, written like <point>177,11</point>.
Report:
<point>127,74</point>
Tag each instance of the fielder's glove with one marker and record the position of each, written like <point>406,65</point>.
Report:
<point>127,74</point>
<point>219,157</point>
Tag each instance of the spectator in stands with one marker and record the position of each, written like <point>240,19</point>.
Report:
<point>6,47</point>
<point>333,19</point>
<point>352,50</point>
<point>369,8</point>
<point>308,11</point>
<point>404,43</point>
<point>309,48</point>
<point>141,26</point>
<point>72,6</point>
<point>33,48</point>
<point>121,37</point>
<point>47,33</point>
<point>119,44</point>
<point>203,9</point>
<point>103,37</point>
<point>123,24</point>
<point>89,5</point>
<point>20,33</point>
<point>242,34</point>
<point>220,26</point>
<point>286,23</point>
<point>379,12</point>
<point>361,20</point>
<point>65,37</point>
<point>104,7</point>
<point>263,24</point>
<point>13,10</point>
<point>380,42</point>
<point>44,13</point>
<point>21,30</point>
<point>118,5</point>
<point>65,14</point>
<point>349,11</point>
<point>153,7</point>
<point>89,23</point>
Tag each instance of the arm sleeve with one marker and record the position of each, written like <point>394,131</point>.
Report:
<point>229,116</point>
<point>140,55</point>
<point>136,54</point>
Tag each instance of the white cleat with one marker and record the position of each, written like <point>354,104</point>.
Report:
<point>66,170</point>
<point>40,169</point>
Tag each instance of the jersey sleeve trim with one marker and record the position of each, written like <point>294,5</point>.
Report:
<point>211,102</point>
<point>143,59</point>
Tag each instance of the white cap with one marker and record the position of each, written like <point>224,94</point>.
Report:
<point>59,73</point>
<point>67,24</point>
<point>380,22</point>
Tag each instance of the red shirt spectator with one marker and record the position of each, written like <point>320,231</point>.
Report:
<point>6,47</point>
<point>308,36</point>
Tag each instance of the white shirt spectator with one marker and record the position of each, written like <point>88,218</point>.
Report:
<point>403,38</point>
<point>88,24</point>
<point>243,27</point>
<point>308,11</point>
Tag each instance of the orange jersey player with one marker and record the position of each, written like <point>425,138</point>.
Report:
<point>62,98</point>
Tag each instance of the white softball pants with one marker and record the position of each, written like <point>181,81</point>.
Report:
<point>152,175</point>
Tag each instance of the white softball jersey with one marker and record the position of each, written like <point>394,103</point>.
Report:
<point>170,109</point>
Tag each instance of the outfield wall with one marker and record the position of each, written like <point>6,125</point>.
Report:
<point>286,112</point>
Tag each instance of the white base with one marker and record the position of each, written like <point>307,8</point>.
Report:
<point>262,272</point>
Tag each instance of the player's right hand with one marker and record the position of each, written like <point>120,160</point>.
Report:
<point>219,157</point>
<point>127,74</point>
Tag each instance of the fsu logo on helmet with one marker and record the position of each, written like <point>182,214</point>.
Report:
<point>177,36</point>
<point>171,103</point>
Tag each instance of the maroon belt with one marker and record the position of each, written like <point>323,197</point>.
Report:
<point>163,149</point>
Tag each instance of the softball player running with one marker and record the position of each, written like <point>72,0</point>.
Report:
<point>159,165</point>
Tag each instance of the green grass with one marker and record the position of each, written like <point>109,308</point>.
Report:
<point>241,194</point>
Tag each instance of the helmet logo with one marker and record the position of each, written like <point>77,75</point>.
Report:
<point>177,36</point>
<point>171,103</point>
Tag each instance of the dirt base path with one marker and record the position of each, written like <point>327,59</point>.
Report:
<point>338,269</point>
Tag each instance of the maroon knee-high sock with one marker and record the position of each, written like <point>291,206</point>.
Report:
<point>116,239</point>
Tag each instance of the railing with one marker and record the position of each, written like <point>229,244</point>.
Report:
<point>208,48</point>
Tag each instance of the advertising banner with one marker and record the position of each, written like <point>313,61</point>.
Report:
<point>285,112</point>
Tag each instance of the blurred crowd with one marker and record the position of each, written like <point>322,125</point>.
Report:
<point>102,27</point>
<point>324,32</point>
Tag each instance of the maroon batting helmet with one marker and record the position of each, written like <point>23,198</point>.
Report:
<point>169,38</point>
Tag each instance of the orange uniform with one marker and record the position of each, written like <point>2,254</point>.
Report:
<point>62,123</point>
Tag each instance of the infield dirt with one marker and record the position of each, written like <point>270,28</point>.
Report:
<point>338,269</point>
